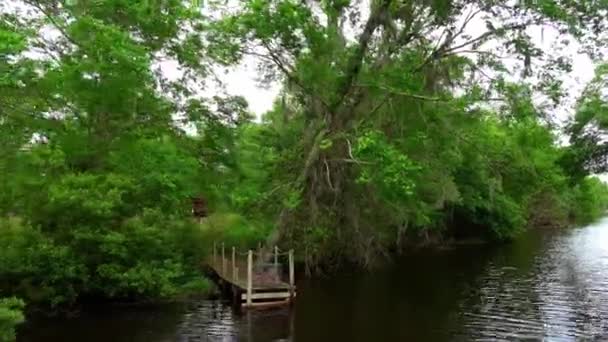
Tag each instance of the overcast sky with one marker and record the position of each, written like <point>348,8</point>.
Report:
<point>241,80</point>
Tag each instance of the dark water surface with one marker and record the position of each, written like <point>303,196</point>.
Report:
<point>548,285</point>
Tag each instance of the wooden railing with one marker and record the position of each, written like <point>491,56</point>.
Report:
<point>257,277</point>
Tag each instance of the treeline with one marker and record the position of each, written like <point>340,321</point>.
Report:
<point>429,175</point>
<point>385,133</point>
<point>411,129</point>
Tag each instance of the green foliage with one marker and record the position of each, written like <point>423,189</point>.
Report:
<point>36,268</point>
<point>96,179</point>
<point>196,287</point>
<point>147,257</point>
<point>588,200</point>
<point>120,233</point>
<point>10,316</point>
<point>385,166</point>
<point>427,152</point>
<point>588,150</point>
<point>234,230</point>
<point>98,247</point>
<point>390,134</point>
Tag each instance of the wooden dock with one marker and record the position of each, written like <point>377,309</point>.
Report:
<point>250,279</point>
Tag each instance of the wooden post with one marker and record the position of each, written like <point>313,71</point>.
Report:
<point>223,261</point>
<point>233,263</point>
<point>292,281</point>
<point>236,272</point>
<point>276,257</point>
<point>249,277</point>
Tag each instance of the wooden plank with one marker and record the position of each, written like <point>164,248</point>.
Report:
<point>243,284</point>
<point>272,288</point>
<point>267,295</point>
<point>292,281</point>
<point>249,276</point>
<point>276,257</point>
<point>275,288</point>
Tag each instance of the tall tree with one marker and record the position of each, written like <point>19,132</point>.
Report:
<point>348,63</point>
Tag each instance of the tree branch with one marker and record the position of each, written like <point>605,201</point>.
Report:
<point>273,57</point>
<point>445,49</point>
<point>400,93</point>
<point>376,18</point>
<point>54,22</point>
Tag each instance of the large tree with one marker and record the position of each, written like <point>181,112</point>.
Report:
<point>346,65</point>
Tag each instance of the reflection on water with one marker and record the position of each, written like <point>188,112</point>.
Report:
<point>198,321</point>
<point>548,285</point>
<point>214,321</point>
<point>564,296</point>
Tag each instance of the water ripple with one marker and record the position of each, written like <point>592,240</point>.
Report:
<point>563,296</point>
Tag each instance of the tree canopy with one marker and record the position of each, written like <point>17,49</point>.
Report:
<point>408,114</point>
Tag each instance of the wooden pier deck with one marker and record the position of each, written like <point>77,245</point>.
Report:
<point>250,279</point>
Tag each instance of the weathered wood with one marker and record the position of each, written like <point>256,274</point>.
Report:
<point>249,276</point>
<point>199,207</point>
<point>270,291</point>
<point>267,295</point>
<point>292,281</point>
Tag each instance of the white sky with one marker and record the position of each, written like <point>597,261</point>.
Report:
<point>241,80</point>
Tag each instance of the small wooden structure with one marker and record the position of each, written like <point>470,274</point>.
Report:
<point>250,280</point>
<point>199,207</point>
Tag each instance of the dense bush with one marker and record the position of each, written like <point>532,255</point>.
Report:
<point>10,316</point>
<point>588,200</point>
<point>234,230</point>
<point>122,234</point>
<point>36,268</point>
<point>144,258</point>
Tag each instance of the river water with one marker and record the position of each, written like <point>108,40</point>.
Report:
<point>547,285</point>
